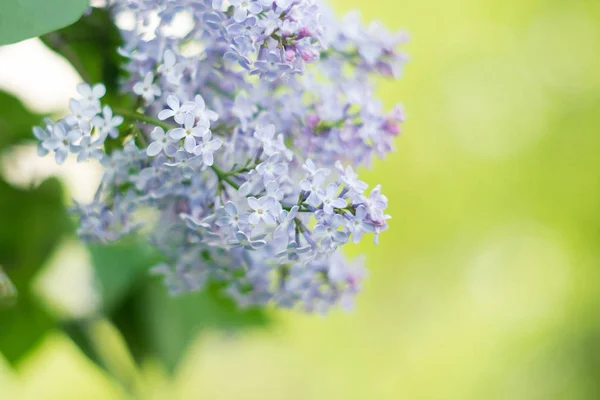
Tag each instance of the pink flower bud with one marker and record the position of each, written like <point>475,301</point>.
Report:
<point>290,55</point>
<point>304,32</point>
<point>312,121</point>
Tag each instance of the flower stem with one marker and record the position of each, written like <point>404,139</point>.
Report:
<point>224,176</point>
<point>143,118</point>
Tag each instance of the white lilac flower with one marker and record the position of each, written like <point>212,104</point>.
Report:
<point>176,110</point>
<point>91,95</point>
<point>87,149</point>
<point>272,168</point>
<point>161,143</point>
<point>327,229</point>
<point>293,252</point>
<point>189,132</point>
<point>170,69</point>
<point>329,198</point>
<point>237,146</point>
<point>376,204</point>
<point>107,124</point>
<point>242,240</point>
<point>311,169</point>
<point>286,223</point>
<point>274,190</point>
<point>266,136</point>
<point>42,135</point>
<point>243,8</point>
<point>147,89</point>
<point>350,179</point>
<point>231,218</point>
<point>247,27</point>
<point>207,148</point>
<point>61,142</point>
<point>203,113</point>
<point>270,23</point>
<point>81,115</point>
<point>359,224</point>
<point>271,67</point>
<point>263,209</point>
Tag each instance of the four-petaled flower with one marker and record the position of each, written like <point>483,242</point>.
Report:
<point>176,110</point>
<point>161,142</point>
<point>91,95</point>
<point>293,251</point>
<point>86,149</point>
<point>328,230</point>
<point>206,148</point>
<point>190,131</point>
<point>81,115</point>
<point>107,123</point>
<point>147,89</point>
<point>60,142</point>
<point>230,217</point>
<point>359,224</point>
<point>264,209</point>
<point>329,198</point>
<point>242,240</point>
<point>243,8</point>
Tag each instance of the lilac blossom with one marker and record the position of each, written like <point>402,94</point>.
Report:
<point>189,132</point>
<point>161,143</point>
<point>207,148</point>
<point>245,149</point>
<point>107,124</point>
<point>243,8</point>
<point>176,110</point>
<point>146,89</point>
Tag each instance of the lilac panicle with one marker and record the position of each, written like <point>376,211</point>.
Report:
<point>243,146</point>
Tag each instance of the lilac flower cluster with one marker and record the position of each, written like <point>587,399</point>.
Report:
<point>238,159</point>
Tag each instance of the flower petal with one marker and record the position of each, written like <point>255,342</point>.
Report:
<point>165,114</point>
<point>154,149</point>
<point>177,133</point>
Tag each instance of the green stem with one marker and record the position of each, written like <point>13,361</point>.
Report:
<point>225,177</point>
<point>143,118</point>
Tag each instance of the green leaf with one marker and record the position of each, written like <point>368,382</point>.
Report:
<point>22,327</point>
<point>78,332</point>
<point>120,266</point>
<point>33,222</point>
<point>16,121</point>
<point>157,325</point>
<point>24,19</point>
<point>91,46</point>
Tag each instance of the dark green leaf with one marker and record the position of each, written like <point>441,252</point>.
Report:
<point>77,331</point>
<point>156,325</point>
<point>91,46</point>
<point>16,121</point>
<point>120,266</point>
<point>33,222</point>
<point>24,19</point>
<point>22,327</point>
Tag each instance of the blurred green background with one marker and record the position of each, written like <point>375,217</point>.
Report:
<point>486,286</point>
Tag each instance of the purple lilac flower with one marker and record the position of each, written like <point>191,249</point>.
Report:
<point>246,149</point>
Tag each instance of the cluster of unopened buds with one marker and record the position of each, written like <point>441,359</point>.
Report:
<point>244,152</point>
